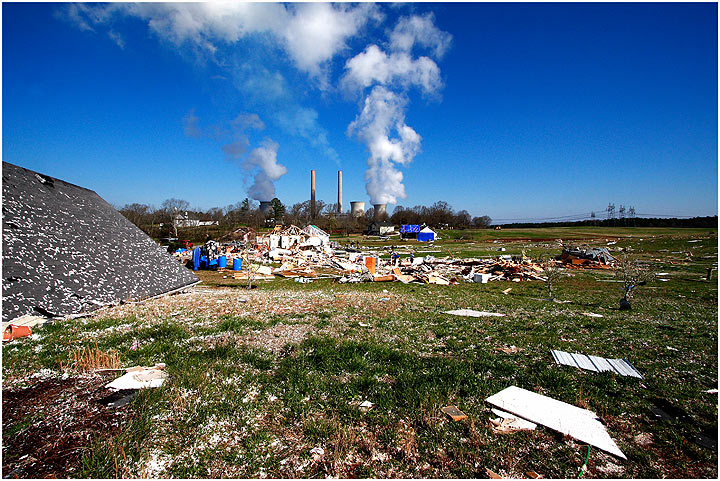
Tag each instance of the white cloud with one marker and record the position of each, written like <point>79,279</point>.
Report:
<point>420,30</point>
<point>311,33</point>
<point>375,66</point>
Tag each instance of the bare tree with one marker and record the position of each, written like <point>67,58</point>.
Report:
<point>632,274</point>
<point>552,271</point>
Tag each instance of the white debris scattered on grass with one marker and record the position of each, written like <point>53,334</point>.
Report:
<point>592,314</point>
<point>156,464</point>
<point>251,395</point>
<point>317,452</point>
<point>472,313</point>
<point>44,374</point>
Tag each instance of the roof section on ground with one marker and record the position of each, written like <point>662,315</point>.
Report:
<point>67,251</point>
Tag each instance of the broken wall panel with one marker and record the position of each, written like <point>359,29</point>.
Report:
<point>67,251</point>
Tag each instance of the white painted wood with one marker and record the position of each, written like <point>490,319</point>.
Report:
<point>579,423</point>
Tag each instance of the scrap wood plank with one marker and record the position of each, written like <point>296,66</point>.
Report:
<point>454,413</point>
<point>596,364</point>
<point>579,423</point>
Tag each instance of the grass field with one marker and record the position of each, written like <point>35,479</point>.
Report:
<point>267,382</point>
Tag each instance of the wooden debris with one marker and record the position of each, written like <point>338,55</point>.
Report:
<point>454,413</point>
<point>492,474</point>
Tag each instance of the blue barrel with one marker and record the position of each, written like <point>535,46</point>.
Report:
<point>196,258</point>
<point>222,262</point>
<point>237,264</point>
<point>212,263</point>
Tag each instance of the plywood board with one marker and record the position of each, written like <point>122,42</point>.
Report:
<point>582,424</point>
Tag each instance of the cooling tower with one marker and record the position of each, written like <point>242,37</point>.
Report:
<point>380,210</point>
<point>357,209</point>
<point>266,207</point>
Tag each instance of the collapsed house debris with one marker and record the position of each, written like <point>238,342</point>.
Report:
<point>66,251</point>
<point>591,258</point>
<point>309,253</point>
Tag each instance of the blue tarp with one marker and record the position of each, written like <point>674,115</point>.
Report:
<point>409,228</point>
<point>426,236</point>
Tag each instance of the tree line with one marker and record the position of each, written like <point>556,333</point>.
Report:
<point>161,222</point>
<point>700,222</point>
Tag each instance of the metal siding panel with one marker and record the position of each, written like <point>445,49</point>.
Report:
<point>583,361</point>
<point>601,363</point>
<point>619,367</point>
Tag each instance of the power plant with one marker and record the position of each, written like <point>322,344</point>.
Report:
<point>266,207</point>
<point>379,211</point>
<point>357,209</point>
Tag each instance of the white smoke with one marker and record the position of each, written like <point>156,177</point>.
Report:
<point>381,123</point>
<point>381,126</point>
<point>264,159</point>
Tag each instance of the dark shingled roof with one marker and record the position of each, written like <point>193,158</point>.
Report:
<point>67,251</point>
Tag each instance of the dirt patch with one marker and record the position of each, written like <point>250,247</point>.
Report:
<point>275,338</point>
<point>48,426</point>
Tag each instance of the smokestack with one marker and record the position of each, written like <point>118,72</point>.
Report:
<point>312,194</point>
<point>266,207</point>
<point>340,208</point>
<point>357,209</point>
<point>379,210</point>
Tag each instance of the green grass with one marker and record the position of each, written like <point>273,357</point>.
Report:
<point>233,409</point>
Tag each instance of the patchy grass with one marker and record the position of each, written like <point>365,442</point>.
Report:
<point>260,377</point>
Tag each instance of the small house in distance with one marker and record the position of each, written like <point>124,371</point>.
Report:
<point>380,228</point>
<point>426,235</point>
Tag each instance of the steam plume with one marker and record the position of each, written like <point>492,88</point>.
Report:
<point>380,125</point>
<point>264,159</point>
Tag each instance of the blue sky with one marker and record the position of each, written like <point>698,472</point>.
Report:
<point>514,111</point>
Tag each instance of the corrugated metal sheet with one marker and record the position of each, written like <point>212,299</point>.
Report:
<point>596,364</point>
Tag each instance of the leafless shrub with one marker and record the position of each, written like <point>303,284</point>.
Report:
<point>552,272</point>
<point>632,274</point>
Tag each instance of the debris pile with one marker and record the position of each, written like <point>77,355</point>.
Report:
<point>309,254</point>
<point>592,258</point>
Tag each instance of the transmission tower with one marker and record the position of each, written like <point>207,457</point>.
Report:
<point>611,211</point>
<point>621,211</point>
